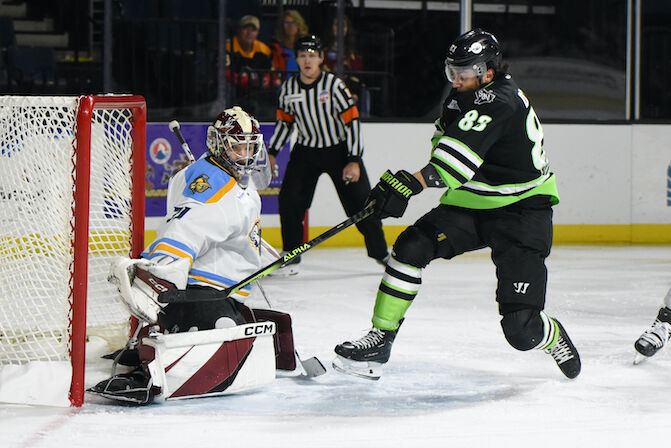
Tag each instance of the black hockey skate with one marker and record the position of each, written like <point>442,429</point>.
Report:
<point>564,353</point>
<point>654,338</point>
<point>129,357</point>
<point>365,357</point>
<point>132,388</point>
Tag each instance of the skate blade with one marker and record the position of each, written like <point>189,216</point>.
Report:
<point>362,369</point>
<point>119,398</point>
<point>640,359</point>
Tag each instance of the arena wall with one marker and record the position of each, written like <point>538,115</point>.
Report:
<point>614,182</point>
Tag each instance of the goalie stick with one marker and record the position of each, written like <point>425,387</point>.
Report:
<point>174,127</point>
<point>179,295</point>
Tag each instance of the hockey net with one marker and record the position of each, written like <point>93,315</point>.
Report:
<point>71,199</point>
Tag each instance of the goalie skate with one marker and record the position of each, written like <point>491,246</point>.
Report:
<point>133,388</point>
<point>369,370</point>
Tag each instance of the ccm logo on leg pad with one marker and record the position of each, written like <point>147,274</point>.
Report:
<point>260,329</point>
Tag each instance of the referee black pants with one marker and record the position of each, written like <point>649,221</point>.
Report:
<point>298,188</point>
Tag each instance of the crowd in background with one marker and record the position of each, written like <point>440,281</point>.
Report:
<point>255,69</point>
<point>168,51</point>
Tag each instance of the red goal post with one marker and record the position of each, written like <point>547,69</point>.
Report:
<point>72,175</point>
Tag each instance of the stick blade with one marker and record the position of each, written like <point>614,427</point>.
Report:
<point>312,366</point>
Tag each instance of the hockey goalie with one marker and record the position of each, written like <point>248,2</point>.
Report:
<point>210,239</point>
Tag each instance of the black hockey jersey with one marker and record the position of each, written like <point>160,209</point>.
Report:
<point>488,148</point>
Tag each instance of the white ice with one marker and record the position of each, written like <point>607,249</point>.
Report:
<point>452,381</point>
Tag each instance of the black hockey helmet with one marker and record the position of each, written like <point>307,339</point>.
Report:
<point>308,43</point>
<point>476,50</point>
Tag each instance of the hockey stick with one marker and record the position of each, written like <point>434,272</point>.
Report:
<point>179,295</point>
<point>174,127</point>
<point>312,366</point>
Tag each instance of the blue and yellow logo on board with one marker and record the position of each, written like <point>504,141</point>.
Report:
<point>200,184</point>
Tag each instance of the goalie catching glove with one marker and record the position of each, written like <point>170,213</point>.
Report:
<point>140,282</point>
<point>392,193</point>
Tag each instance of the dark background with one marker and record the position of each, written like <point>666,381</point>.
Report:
<point>568,55</point>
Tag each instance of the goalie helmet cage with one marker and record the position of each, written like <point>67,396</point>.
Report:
<point>71,199</point>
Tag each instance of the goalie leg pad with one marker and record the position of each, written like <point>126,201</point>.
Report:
<point>212,362</point>
<point>285,358</point>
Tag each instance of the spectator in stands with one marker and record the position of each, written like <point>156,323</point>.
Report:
<point>289,28</point>
<point>352,59</point>
<point>248,56</point>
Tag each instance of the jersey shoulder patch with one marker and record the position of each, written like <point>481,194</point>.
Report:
<point>206,183</point>
<point>484,96</point>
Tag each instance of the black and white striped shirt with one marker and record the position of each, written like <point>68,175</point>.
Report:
<point>323,113</point>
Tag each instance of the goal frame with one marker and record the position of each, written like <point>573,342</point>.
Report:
<point>86,106</point>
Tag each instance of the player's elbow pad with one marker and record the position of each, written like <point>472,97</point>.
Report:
<point>431,177</point>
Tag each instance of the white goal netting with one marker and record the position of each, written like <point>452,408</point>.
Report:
<point>37,219</point>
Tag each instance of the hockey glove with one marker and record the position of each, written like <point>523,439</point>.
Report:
<point>140,282</point>
<point>392,193</point>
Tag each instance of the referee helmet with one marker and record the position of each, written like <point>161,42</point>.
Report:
<point>308,43</point>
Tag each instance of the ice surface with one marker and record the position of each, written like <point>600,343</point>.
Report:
<point>452,381</point>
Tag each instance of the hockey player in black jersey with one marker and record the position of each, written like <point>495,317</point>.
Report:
<point>487,152</point>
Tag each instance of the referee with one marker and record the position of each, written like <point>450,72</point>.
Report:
<point>321,108</point>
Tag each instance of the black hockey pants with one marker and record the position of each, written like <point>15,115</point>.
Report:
<point>520,238</point>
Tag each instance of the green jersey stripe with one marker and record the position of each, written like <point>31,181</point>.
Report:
<point>479,200</point>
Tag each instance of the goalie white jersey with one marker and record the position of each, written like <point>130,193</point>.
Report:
<point>214,223</point>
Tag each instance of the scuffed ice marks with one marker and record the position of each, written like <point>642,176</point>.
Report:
<point>425,389</point>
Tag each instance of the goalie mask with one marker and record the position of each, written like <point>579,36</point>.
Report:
<point>471,54</point>
<point>235,141</point>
